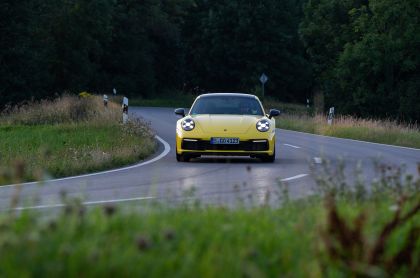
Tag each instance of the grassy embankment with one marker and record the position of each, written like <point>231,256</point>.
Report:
<point>377,131</point>
<point>341,232</point>
<point>69,136</point>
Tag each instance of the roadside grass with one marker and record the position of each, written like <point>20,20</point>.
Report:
<point>65,109</point>
<point>339,232</point>
<point>69,136</point>
<point>182,242</point>
<point>285,108</point>
<point>176,100</point>
<point>378,131</point>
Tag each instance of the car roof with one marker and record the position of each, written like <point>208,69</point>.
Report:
<point>227,94</point>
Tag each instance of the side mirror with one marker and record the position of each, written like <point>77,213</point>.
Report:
<point>180,111</point>
<point>273,113</point>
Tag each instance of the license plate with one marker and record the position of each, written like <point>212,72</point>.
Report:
<point>225,141</point>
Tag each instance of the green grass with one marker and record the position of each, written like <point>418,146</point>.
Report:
<point>177,100</point>
<point>285,108</point>
<point>180,242</point>
<point>185,242</point>
<point>289,123</point>
<point>70,149</point>
<point>66,137</point>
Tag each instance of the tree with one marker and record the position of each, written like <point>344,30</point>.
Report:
<point>380,69</point>
<point>145,55</point>
<point>23,51</point>
<point>324,30</point>
<point>365,55</point>
<point>79,34</point>
<point>232,43</point>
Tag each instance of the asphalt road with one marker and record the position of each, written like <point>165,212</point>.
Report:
<point>212,180</point>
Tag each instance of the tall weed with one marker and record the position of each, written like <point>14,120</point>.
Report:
<point>65,109</point>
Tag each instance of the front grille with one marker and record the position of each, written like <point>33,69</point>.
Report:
<point>202,145</point>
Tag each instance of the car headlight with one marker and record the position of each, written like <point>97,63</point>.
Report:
<point>188,124</point>
<point>263,125</point>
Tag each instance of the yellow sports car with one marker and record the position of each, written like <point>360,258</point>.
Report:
<point>226,124</point>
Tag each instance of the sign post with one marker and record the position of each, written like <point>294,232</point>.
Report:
<point>125,110</point>
<point>263,80</point>
<point>331,116</point>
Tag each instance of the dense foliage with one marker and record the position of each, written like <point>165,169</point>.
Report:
<point>362,54</point>
<point>365,55</point>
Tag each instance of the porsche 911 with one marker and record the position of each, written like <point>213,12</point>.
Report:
<point>227,124</point>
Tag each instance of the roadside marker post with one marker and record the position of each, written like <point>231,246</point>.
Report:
<point>114,91</point>
<point>125,110</point>
<point>308,107</point>
<point>105,100</point>
<point>263,80</point>
<point>331,116</point>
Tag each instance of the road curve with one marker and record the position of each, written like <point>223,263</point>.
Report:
<point>221,180</point>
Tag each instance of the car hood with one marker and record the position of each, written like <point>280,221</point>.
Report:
<point>226,123</point>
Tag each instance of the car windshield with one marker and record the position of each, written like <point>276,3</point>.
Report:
<point>233,105</point>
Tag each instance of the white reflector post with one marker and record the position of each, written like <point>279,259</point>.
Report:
<point>331,116</point>
<point>125,110</point>
<point>105,100</point>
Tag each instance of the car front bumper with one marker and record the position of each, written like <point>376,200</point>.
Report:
<point>248,146</point>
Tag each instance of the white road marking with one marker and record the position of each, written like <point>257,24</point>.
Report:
<point>166,150</point>
<point>87,203</point>
<point>353,140</point>
<point>295,177</point>
<point>318,160</point>
<point>292,146</point>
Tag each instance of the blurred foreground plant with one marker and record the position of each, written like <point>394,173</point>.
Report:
<point>349,243</point>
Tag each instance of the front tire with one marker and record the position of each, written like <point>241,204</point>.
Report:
<point>182,157</point>
<point>270,158</point>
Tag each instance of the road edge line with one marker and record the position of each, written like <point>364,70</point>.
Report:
<point>294,177</point>
<point>348,139</point>
<point>88,203</point>
<point>115,201</point>
<point>292,146</point>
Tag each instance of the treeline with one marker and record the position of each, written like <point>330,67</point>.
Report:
<point>365,55</point>
<point>361,55</point>
<point>52,46</point>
